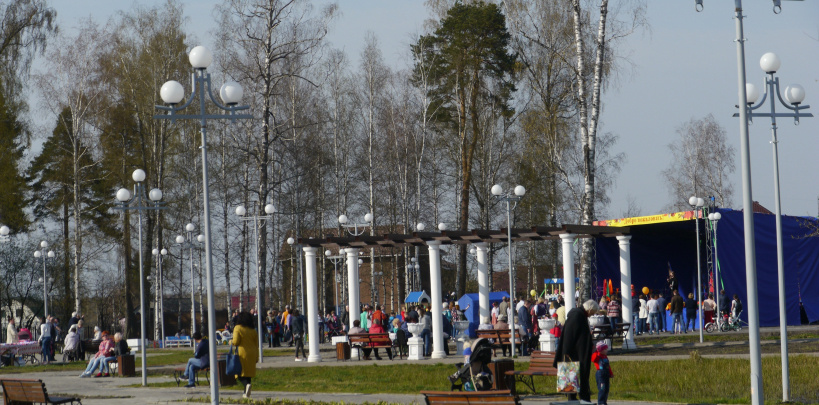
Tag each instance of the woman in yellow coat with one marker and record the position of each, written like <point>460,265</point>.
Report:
<point>246,340</point>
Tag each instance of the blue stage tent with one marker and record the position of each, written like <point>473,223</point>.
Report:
<point>473,313</point>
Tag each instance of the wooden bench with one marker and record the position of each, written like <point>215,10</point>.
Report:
<point>18,392</point>
<point>605,331</point>
<point>470,397</point>
<point>499,336</point>
<point>540,363</point>
<point>90,347</point>
<point>371,340</point>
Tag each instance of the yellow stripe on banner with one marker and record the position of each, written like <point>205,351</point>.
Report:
<point>650,219</point>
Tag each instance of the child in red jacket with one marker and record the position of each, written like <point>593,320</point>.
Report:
<point>600,359</point>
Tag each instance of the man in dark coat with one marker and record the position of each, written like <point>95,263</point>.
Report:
<point>575,344</point>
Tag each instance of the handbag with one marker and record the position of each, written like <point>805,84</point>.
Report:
<point>568,376</point>
<point>234,364</point>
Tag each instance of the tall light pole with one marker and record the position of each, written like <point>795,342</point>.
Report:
<point>241,212</point>
<point>172,93</point>
<point>48,283</point>
<point>190,229</point>
<point>794,95</point>
<point>714,217</point>
<point>160,292</point>
<point>510,198</point>
<point>336,259</point>
<point>44,279</point>
<point>755,352</point>
<point>696,204</point>
<point>138,203</point>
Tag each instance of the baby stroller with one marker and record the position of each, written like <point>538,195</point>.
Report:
<point>475,375</point>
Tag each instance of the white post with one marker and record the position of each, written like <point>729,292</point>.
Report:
<point>625,288</point>
<point>312,304</point>
<point>483,281</point>
<point>568,269</point>
<point>352,284</point>
<point>436,300</point>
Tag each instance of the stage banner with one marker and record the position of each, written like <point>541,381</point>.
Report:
<point>650,219</point>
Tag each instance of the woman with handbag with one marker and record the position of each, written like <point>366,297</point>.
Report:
<point>246,341</point>
<point>575,346</point>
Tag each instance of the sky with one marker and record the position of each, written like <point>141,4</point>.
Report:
<point>684,66</point>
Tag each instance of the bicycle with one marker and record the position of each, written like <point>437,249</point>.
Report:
<point>715,324</point>
<point>733,325</point>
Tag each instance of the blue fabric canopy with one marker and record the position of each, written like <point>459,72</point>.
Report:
<point>417,296</point>
<point>656,246</point>
<point>472,301</point>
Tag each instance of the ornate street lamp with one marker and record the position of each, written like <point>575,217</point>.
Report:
<point>510,197</point>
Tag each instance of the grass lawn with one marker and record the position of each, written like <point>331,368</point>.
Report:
<point>156,357</point>
<point>692,380</point>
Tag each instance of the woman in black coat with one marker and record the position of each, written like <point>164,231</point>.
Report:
<point>576,344</point>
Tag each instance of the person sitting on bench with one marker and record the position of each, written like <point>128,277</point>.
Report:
<point>120,349</point>
<point>200,360</point>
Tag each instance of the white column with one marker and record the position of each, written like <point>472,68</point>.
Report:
<point>312,304</point>
<point>436,300</point>
<point>625,288</point>
<point>568,269</point>
<point>352,284</point>
<point>483,281</point>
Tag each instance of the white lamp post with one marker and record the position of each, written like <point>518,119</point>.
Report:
<point>509,198</point>
<point>336,259</point>
<point>172,93</point>
<point>755,352</point>
<point>160,300</point>
<point>794,95</point>
<point>139,203</point>
<point>241,212</point>
<point>714,217</point>
<point>696,204</point>
<point>44,279</point>
<point>188,243</point>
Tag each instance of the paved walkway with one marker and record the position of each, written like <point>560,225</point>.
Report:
<point>120,390</point>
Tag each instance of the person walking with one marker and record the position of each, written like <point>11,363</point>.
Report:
<point>45,339</point>
<point>297,328</point>
<point>677,304</point>
<point>691,313</point>
<point>11,332</point>
<point>246,340</point>
<point>575,344</point>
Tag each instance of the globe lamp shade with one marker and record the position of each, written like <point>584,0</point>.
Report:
<point>4,230</point>
<point>751,93</point>
<point>420,227</point>
<point>520,191</point>
<point>200,238</point>
<point>497,189</point>
<point>123,195</point>
<point>769,62</point>
<point>180,239</point>
<point>231,93</point>
<point>269,209</point>
<point>172,92</point>
<point>200,57</point>
<point>155,194</point>
<point>795,94</point>
<point>138,175</point>
<point>241,211</point>
<point>290,241</point>
<point>189,227</point>
<point>342,219</point>
<point>368,217</point>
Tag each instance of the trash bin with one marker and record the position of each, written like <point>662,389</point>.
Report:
<point>126,365</point>
<point>224,379</point>
<point>499,369</point>
<point>343,351</point>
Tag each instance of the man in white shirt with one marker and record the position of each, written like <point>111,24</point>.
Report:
<point>653,315</point>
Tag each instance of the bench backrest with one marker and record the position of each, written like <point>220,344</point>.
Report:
<point>502,334</point>
<point>24,391</point>
<point>377,338</point>
<point>541,361</point>
<point>469,397</point>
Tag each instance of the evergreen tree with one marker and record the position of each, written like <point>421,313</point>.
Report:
<point>13,132</point>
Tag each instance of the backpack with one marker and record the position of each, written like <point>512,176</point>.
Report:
<point>739,306</point>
